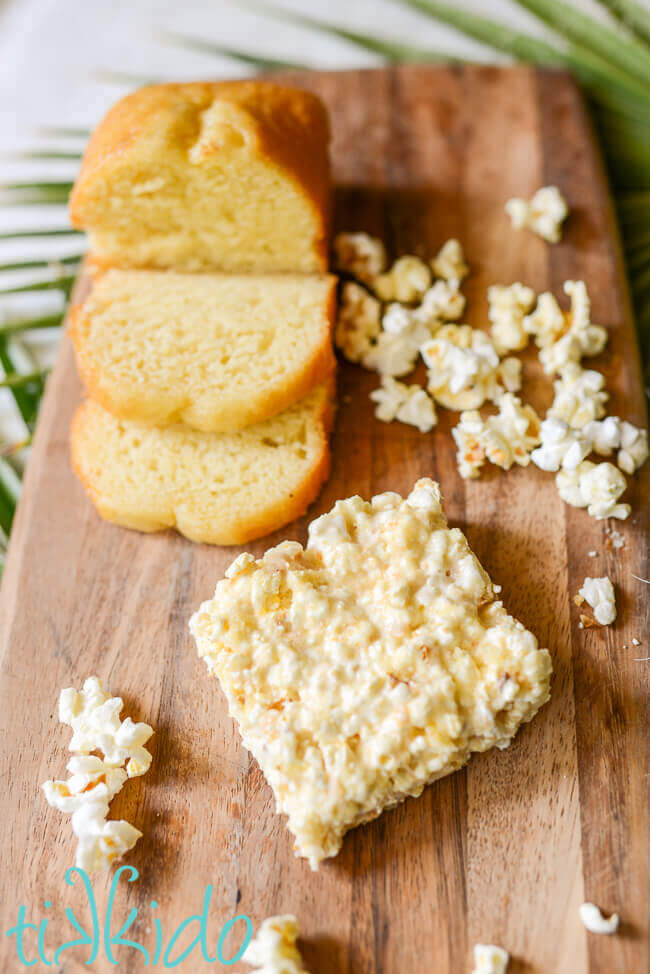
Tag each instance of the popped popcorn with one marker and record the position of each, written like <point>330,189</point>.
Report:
<point>273,950</point>
<point>358,322</point>
<point>612,434</point>
<point>579,396</point>
<point>595,922</point>
<point>547,322</point>
<point>560,446</point>
<point>599,594</point>
<point>603,434</point>
<point>100,841</point>
<point>581,337</point>
<point>359,254</point>
<point>94,781</point>
<point>489,959</point>
<point>543,213</point>
<point>596,486</point>
<point>407,404</point>
<point>512,433</point>
<point>508,375</point>
<point>468,434</point>
<point>449,262</point>
<point>507,309</point>
<point>442,302</point>
<point>96,726</point>
<point>634,448</point>
<point>391,355</point>
<point>503,439</point>
<point>407,280</point>
<point>464,368</point>
<point>397,320</point>
<point>90,779</point>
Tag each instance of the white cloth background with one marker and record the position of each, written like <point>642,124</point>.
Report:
<point>54,55</point>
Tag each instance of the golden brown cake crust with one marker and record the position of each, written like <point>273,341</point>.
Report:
<point>279,117</point>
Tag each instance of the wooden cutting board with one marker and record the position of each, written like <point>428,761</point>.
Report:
<point>502,852</point>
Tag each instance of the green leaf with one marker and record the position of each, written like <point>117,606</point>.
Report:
<point>18,194</point>
<point>58,284</point>
<point>30,154</point>
<point>15,359</point>
<point>632,14</point>
<point>51,262</point>
<point>31,324</point>
<point>10,487</point>
<point>58,131</point>
<point>626,53</point>
<point>393,50</point>
<point>261,62</point>
<point>605,80</point>
<point>23,234</point>
<point>15,380</point>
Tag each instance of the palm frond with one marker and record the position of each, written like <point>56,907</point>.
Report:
<point>628,54</point>
<point>19,194</point>
<point>605,81</point>
<point>28,155</point>
<point>63,283</point>
<point>10,487</point>
<point>393,50</point>
<point>632,14</point>
<point>16,360</point>
<point>258,61</point>
<point>62,132</point>
<point>21,325</point>
<point>15,380</point>
<point>51,263</point>
<point>25,234</point>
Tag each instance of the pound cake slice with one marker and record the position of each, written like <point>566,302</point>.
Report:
<point>220,488</point>
<point>214,351</point>
<point>368,664</point>
<point>230,176</point>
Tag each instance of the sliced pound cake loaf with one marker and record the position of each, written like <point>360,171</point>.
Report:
<point>219,488</point>
<point>230,176</point>
<point>214,351</point>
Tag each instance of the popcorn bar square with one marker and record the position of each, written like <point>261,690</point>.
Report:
<point>367,664</point>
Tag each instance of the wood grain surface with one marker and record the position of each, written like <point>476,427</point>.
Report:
<point>502,852</point>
